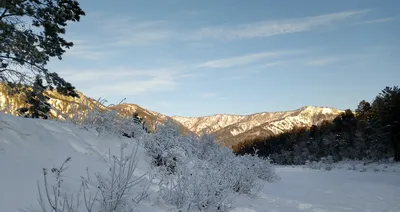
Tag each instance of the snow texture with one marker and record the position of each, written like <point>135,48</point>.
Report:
<point>28,145</point>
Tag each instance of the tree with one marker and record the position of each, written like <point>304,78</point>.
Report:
<point>30,34</point>
<point>386,107</point>
<point>37,101</point>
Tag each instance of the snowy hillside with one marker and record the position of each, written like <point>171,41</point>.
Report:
<point>231,129</point>
<point>63,107</point>
<point>208,123</point>
<point>29,145</point>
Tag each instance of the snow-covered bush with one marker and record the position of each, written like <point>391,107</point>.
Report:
<point>262,167</point>
<point>110,121</point>
<point>206,148</point>
<point>96,116</point>
<point>167,147</point>
<point>325,163</point>
<point>355,165</point>
<point>204,173</point>
<point>117,191</point>
<point>198,188</point>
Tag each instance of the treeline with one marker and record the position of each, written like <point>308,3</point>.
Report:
<point>371,133</point>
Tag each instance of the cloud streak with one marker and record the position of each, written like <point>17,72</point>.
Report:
<point>247,59</point>
<point>379,20</point>
<point>124,81</point>
<point>273,28</point>
<point>321,61</point>
<point>82,49</point>
<point>126,31</point>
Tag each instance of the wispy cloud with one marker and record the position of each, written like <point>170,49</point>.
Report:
<point>233,78</point>
<point>82,49</point>
<point>209,95</point>
<point>271,64</point>
<point>126,31</point>
<point>379,20</point>
<point>163,103</point>
<point>247,59</point>
<point>321,61</point>
<point>277,27</point>
<point>124,81</point>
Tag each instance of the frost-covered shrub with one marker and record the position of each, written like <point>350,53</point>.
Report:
<point>110,121</point>
<point>355,165</point>
<point>328,163</point>
<point>206,148</point>
<point>92,115</point>
<point>117,191</point>
<point>262,167</point>
<point>325,163</point>
<point>197,189</point>
<point>167,147</point>
<point>204,174</point>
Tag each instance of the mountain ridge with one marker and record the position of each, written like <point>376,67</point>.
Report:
<point>229,129</point>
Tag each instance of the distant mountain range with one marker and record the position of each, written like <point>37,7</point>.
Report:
<point>229,129</point>
<point>232,129</point>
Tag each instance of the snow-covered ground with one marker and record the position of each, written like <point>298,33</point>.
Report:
<point>303,189</point>
<point>27,146</point>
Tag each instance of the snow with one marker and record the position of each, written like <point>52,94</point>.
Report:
<point>302,189</point>
<point>27,146</point>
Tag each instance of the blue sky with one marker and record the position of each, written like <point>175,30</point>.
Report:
<point>195,58</point>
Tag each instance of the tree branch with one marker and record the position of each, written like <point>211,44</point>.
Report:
<point>25,61</point>
<point>8,15</point>
<point>3,14</point>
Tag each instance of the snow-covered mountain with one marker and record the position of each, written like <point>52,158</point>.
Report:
<point>231,129</point>
<point>63,106</point>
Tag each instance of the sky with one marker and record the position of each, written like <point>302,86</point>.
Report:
<point>198,58</point>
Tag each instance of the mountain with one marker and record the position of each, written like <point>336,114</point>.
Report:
<point>67,107</point>
<point>150,117</point>
<point>229,129</point>
<point>232,129</point>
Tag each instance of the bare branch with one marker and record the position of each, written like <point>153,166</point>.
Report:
<point>3,14</point>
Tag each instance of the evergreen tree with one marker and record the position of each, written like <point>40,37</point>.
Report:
<point>372,133</point>
<point>37,101</point>
<point>30,34</point>
<point>364,111</point>
<point>387,110</point>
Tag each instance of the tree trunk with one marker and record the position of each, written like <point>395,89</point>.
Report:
<point>397,153</point>
<point>396,147</point>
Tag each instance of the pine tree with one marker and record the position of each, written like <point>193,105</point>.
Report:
<point>364,111</point>
<point>37,101</point>
<point>386,107</point>
<point>30,34</point>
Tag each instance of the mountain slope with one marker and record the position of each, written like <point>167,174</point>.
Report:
<point>64,107</point>
<point>231,129</point>
<point>208,123</point>
<point>150,117</point>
